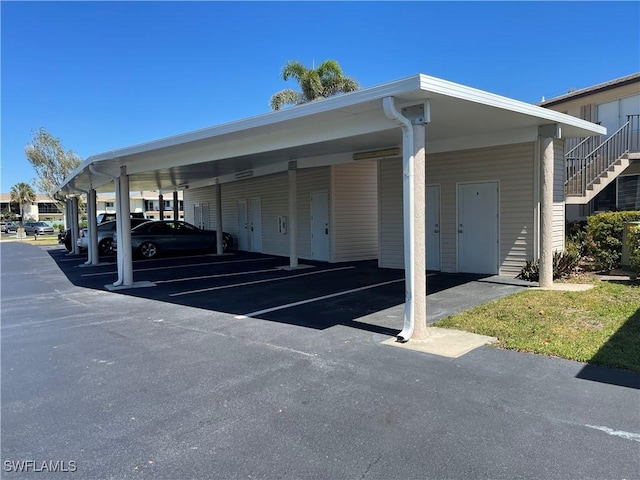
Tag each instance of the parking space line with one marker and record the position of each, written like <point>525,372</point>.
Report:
<point>216,276</point>
<point>178,266</point>
<point>221,287</point>
<point>316,299</point>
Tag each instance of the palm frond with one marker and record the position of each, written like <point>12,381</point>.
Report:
<point>285,97</point>
<point>293,69</point>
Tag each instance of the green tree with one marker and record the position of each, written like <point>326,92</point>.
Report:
<point>315,83</point>
<point>51,163</point>
<point>22,194</point>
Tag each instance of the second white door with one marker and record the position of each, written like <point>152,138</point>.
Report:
<point>320,226</point>
<point>478,228</point>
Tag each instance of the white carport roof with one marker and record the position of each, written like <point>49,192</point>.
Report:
<point>461,118</point>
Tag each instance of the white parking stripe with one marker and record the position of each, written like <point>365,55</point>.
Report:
<point>216,276</point>
<point>617,433</point>
<point>179,266</point>
<point>258,281</point>
<point>317,299</point>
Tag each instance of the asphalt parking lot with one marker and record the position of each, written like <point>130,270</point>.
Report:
<point>141,384</point>
<point>318,296</point>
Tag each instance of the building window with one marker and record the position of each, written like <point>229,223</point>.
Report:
<point>109,205</point>
<point>48,207</point>
<point>629,192</point>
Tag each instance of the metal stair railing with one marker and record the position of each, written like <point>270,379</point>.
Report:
<point>583,170</point>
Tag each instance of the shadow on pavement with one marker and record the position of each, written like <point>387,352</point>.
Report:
<point>622,350</point>
<point>255,295</point>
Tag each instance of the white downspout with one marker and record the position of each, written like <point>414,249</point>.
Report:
<point>388,105</point>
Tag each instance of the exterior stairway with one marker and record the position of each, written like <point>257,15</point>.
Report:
<point>594,162</point>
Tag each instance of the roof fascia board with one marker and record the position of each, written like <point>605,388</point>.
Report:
<point>444,87</point>
<point>589,91</point>
<point>293,113</point>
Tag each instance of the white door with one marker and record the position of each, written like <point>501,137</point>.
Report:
<point>432,227</point>
<point>609,116</point>
<point>255,225</point>
<point>320,226</point>
<point>243,226</point>
<point>478,228</point>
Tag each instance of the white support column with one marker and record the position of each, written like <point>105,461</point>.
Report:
<point>92,227</point>
<point>292,228</point>
<point>161,205</point>
<point>67,213</point>
<point>125,216</point>
<point>413,121</point>
<point>119,256</point>
<point>74,226</point>
<point>546,133</point>
<point>176,211</point>
<point>419,258</point>
<point>219,231</point>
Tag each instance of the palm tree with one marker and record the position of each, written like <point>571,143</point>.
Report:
<point>316,83</point>
<point>22,194</point>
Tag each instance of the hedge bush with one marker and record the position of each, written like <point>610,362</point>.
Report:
<point>604,237</point>
<point>634,243</point>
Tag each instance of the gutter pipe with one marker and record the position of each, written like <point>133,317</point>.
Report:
<point>408,208</point>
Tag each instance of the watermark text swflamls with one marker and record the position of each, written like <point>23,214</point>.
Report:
<point>40,466</point>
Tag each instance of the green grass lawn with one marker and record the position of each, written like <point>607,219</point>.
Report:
<point>600,326</point>
<point>42,239</point>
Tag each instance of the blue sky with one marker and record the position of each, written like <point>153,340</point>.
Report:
<point>105,75</point>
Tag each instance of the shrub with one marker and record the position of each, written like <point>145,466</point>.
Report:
<point>576,234</point>
<point>564,264</point>
<point>634,251</point>
<point>604,237</point>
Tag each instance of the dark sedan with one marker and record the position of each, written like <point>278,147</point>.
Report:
<point>106,234</point>
<point>152,238</point>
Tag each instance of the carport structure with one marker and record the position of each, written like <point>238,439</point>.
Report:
<point>487,150</point>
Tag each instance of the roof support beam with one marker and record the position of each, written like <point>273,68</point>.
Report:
<point>92,229</point>
<point>176,215</point>
<point>219,231</point>
<point>292,228</point>
<point>413,201</point>
<point>123,225</point>
<point>547,134</point>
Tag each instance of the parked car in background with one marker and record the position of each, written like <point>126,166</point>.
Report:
<point>8,227</point>
<point>65,238</point>
<point>107,217</point>
<point>152,238</point>
<point>106,234</point>
<point>38,228</point>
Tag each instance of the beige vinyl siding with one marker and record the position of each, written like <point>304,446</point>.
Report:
<point>390,218</point>
<point>198,196</point>
<point>512,166</point>
<point>559,173</point>
<point>273,191</point>
<point>355,211</point>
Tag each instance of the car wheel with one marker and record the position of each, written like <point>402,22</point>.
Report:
<point>149,250</point>
<point>106,247</point>
<point>225,247</point>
